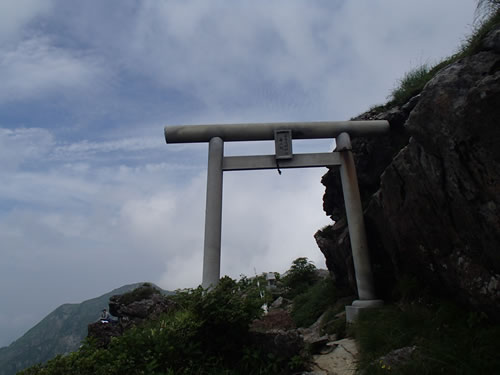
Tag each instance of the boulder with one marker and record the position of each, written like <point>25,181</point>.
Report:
<point>314,338</point>
<point>148,308</point>
<point>278,302</point>
<point>280,343</point>
<point>276,319</point>
<point>103,332</point>
<point>396,358</point>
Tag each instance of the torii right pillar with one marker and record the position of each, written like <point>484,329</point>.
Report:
<point>357,232</point>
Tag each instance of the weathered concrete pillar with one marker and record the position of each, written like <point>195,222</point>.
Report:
<point>213,214</point>
<point>357,232</point>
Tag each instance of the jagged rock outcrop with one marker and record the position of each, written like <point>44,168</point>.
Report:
<point>431,188</point>
<point>143,303</point>
<point>102,333</point>
<point>148,306</point>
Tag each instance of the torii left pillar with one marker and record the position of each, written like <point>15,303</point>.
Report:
<point>213,214</point>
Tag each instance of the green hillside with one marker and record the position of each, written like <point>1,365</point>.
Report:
<point>200,333</point>
<point>60,332</point>
<point>225,332</point>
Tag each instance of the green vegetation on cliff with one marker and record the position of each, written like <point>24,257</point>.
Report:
<point>414,81</point>
<point>60,332</point>
<point>206,333</point>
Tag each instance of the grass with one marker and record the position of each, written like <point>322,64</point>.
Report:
<point>411,84</point>
<point>449,340</point>
<point>414,81</point>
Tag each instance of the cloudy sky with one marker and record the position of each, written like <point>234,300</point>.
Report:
<point>92,198</point>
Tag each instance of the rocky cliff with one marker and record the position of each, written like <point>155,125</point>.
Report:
<point>431,188</point>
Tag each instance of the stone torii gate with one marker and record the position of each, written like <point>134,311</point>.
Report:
<point>282,134</point>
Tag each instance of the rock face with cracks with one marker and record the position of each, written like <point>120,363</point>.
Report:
<point>431,188</point>
<point>143,303</point>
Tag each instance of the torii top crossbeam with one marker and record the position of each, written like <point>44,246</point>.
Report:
<point>265,131</point>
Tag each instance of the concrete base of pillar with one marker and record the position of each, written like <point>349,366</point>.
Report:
<point>352,311</point>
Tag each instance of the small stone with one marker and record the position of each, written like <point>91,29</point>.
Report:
<point>277,303</point>
<point>396,358</point>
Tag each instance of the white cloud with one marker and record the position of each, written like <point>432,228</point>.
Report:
<point>35,67</point>
<point>23,144</point>
<point>334,61</point>
<point>270,219</point>
<point>146,212</point>
<point>15,14</point>
<point>87,149</point>
<point>218,52</point>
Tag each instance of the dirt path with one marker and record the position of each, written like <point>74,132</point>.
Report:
<point>340,361</point>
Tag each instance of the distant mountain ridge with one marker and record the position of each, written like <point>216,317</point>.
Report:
<point>60,332</point>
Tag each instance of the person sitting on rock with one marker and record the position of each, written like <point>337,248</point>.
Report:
<point>105,317</point>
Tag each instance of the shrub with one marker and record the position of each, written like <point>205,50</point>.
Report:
<point>300,276</point>
<point>442,333</point>
<point>206,334</point>
<point>308,306</point>
<point>225,310</point>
